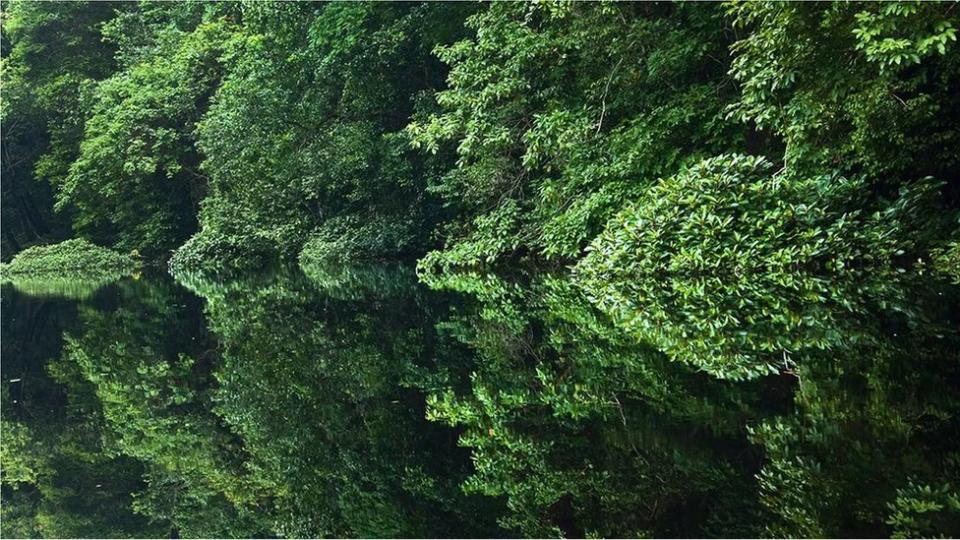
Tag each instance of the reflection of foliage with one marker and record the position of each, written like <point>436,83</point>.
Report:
<point>59,480</point>
<point>868,425</point>
<point>220,283</point>
<point>152,391</point>
<point>90,499</point>
<point>353,282</point>
<point>79,496</point>
<point>568,417</point>
<point>59,476</point>
<point>947,261</point>
<point>309,381</point>
<point>307,416</point>
<point>922,511</point>
<point>72,287</point>
<point>355,457</point>
<point>582,430</point>
<point>21,456</point>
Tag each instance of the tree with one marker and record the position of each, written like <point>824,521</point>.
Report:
<point>560,113</point>
<point>50,51</point>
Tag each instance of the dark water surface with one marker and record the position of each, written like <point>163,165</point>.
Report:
<point>362,403</point>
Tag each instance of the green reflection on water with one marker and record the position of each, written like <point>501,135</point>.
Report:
<point>73,287</point>
<point>355,401</point>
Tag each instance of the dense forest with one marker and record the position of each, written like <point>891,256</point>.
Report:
<point>661,212</point>
<point>627,141</point>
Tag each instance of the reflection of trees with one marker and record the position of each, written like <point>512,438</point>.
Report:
<point>74,287</point>
<point>59,478</point>
<point>584,431</point>
<point>313,384</point>
<point>589,432</point>
<point>305,428</point>
<point>873,445</point>
<point>307,416</point>
<point>354,282</point>
<point>149,364</point>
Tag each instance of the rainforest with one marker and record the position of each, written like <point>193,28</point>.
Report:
<point>480,269</point>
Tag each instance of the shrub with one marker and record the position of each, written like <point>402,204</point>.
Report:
<point>732,269</point>
<point>352,238</point>
<point>70,257</point>
<point>217,251</point>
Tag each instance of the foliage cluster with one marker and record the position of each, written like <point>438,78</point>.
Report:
<point>76,257</point>
<point>496,131</point>
<point>734,268</point>
<point>49,52</point>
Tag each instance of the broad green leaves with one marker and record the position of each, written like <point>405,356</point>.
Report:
<point>735,268</point>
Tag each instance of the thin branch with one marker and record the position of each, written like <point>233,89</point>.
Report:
<point>603,100</point>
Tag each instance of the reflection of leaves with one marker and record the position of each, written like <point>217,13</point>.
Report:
<point>217,284</point>
<point>567,415</point>
<point>354,282</point>
<point>947,261</point>
<point>150,381</point>
<point>310,420</point>
<point>20,459</point>
<point>312,381</point>
<point>867,423</point>
<point>77,287</point>
<point>60,475</point>
<point>924,511</point>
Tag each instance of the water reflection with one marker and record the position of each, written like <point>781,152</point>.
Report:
<point>360,402</point>
<point>74,287</point>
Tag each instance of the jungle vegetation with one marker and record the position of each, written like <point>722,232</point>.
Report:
<point>672,260</point>
<point>725,166</point>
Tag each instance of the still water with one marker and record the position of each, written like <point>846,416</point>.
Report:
<point>360,402</point>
